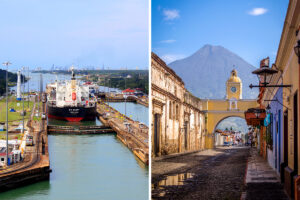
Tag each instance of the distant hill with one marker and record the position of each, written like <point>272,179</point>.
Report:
<point>12,78</point>
<point>206,71</point>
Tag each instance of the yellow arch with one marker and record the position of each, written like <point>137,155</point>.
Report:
<point>220,109</point>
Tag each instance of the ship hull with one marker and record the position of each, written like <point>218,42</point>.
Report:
<point>72,114</point>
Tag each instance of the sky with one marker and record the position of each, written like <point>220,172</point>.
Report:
<point>249,28</point>
<point>40,33</point>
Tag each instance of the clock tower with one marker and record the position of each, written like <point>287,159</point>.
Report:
<point>234,87</point>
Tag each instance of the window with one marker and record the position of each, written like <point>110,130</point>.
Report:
<point>174,110</point>
<point>2,159</point>
<point>177,112</point>
<point>232,104</point>
<point>269,133</point>
<point>175,91</point>
<point>170,110</point>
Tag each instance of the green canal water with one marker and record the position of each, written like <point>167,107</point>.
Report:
<point>89,167</point>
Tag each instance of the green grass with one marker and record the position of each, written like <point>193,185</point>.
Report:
<point>14,116</point>
<point>35,118</point>
<point>3,136</point>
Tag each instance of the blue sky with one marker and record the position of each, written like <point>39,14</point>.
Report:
<point>39,33</point>
<point>249,28</point>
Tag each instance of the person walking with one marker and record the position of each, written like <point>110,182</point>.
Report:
<point>250,138</point>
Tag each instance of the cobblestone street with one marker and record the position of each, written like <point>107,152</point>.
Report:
<point>214,174</point>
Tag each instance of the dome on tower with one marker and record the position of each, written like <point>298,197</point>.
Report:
<point>234,78</point>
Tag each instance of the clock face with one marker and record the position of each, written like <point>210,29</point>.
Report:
<point>233,89</point>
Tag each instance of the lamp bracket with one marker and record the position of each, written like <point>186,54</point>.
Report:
<point>278,102</point>
<point>264,86</point>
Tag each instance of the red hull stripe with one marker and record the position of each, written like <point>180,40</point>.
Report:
<point>70,119</point>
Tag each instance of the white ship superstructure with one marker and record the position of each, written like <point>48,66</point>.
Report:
<point>71,99</point>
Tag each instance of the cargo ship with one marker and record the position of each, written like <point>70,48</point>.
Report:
<point>71,100</point>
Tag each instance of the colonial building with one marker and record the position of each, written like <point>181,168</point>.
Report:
<point>177,119</point>
<point>280,129</point>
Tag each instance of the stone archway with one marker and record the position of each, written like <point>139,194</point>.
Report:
<point>230,116</point>
<point>220,109</point>
<point>220,140</point>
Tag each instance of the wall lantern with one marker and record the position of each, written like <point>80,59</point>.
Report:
<point>297,50</point>
<point>268,108</point>
<point>263,73</point>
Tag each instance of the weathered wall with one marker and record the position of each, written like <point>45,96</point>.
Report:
<point>177,120</point>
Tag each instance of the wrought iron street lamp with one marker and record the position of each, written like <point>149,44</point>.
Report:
<point>265,72</point>
<point>268,108</point>
<point>7,64</point>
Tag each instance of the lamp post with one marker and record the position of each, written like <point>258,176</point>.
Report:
<point>108,90</point>
<point>6,64</point>
<point>28,87</point>
<point>23,84</point>
<point>38,92</point>
<point>125,97</point>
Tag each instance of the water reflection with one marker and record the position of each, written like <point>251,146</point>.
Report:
<point>40,189</point>
<point>67,123</point>
<point>88,167</point>
<point>174,180</point>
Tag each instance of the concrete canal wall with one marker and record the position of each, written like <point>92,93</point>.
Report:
<point>81,130</point>
<point>24,177</point>
<point>131,133</point>
<point>129,99</point>
<point>36,165</point>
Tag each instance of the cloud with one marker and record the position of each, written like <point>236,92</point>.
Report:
<point>257,11</point>
<point>168,58</point>
<point>171,14</point>
<point>167,41</point>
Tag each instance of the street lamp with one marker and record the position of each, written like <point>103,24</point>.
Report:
<point>23,84</point>
<point>268,108</point>
<point>6,64</point>
<point>125,97</point>
<point>108,91</point>
<point>28,87</point>
<point>263,73</point>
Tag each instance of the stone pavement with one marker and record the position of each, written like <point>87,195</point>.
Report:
<point>262,182</point>
<point>212,174</point>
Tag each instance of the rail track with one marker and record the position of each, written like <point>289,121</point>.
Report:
<point>35,156</point>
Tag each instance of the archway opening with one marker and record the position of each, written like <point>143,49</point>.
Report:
<point>231,131</point>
